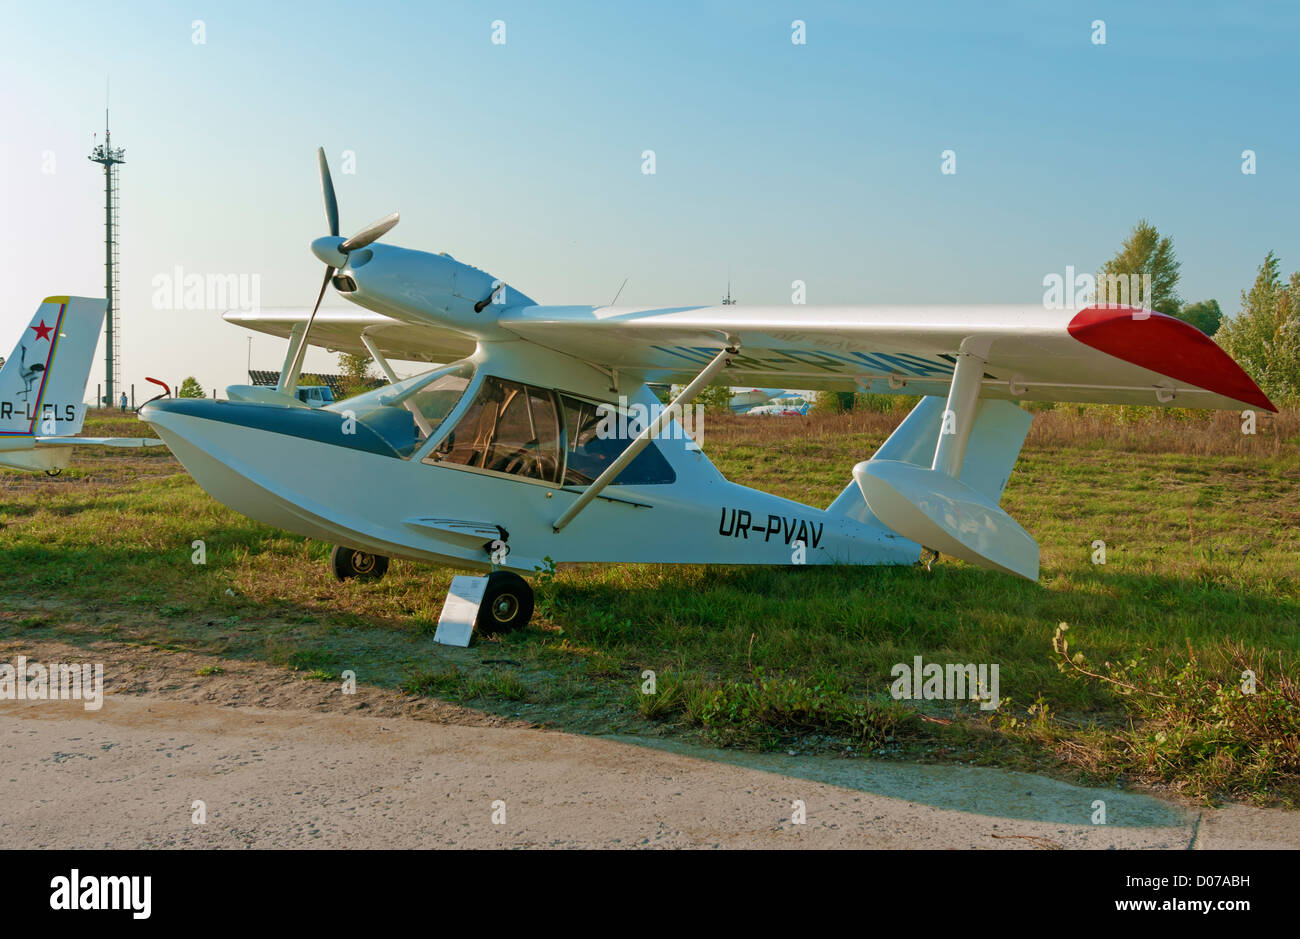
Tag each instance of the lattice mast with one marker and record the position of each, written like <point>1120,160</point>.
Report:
<point>109,158</point>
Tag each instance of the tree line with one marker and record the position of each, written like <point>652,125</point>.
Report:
<point>1264,336</point>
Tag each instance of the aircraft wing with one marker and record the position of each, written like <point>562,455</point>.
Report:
<point>340,331</point>
<point>1117,355</point>
<point>1103,355</point>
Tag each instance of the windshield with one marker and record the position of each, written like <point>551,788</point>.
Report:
<point>407,412</point>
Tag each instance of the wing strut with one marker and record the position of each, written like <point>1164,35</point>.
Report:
<point>720,361</point>
<point>421,421</point>
<point>292,366</point>
<point>379,358</point>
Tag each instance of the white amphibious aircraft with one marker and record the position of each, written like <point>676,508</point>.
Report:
<point>536,441</point>
<point>42,383</point>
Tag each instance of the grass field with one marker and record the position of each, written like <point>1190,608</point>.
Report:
<point>1201,582</point>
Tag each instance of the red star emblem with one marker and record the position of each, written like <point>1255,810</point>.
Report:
<point>42,331</point>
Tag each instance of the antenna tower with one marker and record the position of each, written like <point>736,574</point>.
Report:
<point>109,157</point>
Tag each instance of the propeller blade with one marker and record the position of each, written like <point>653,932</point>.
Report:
<point>296,369</point>
<point>370,233</point>
<point>327,187</point>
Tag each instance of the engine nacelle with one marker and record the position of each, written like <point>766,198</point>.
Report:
<point>418,286</point>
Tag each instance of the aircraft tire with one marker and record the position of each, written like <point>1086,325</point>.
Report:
<point>507,604</point>
<point>349,562</point>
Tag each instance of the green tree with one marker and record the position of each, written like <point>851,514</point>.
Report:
<point>356,373</point>
<point>885,403</point>
<point>833,402</point>
<point>1264,337</point>
<point>190,388</point>
<point>715,398</point>
<point>1145,253</point>
<point>1205,316</point>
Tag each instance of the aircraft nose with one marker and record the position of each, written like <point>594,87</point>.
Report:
<point>327,249</point>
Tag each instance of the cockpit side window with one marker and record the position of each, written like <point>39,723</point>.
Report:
<point>596,438</point>
<point>509,428</point>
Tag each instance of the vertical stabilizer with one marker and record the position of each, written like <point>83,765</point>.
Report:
<point>43,381</point>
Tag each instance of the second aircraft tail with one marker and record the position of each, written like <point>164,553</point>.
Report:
<point>43,383</point>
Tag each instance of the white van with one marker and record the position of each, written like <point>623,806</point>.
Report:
<point>315,396</point>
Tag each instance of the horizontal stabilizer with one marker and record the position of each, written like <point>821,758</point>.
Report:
<point>98,442</point>
<point>52,460</point>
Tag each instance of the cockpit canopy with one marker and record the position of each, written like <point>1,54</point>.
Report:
<point>507,427</point>
<point>407,412</point>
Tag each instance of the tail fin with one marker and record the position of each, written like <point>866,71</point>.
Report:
<point>999,432</point>
<point>43,382</point>
<point>958,515</point>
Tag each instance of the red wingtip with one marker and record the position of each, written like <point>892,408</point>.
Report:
<point>1167,345</point>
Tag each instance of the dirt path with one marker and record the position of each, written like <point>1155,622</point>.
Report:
<point>284,762</point>
<point>127,776</point>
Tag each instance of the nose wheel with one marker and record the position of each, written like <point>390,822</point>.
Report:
<point>350,562</point>
<point>507,604</point>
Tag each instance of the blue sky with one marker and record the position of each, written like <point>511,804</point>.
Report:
<point>774,161</point>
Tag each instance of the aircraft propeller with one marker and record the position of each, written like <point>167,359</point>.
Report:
<point>333,252</point>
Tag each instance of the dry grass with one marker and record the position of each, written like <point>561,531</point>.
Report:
<point>1195,432</point>
<point>1155,430</point>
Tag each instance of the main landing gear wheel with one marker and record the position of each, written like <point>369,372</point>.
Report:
<point>507,604</point>
<point>349,562</point>
<point>53,472</point>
